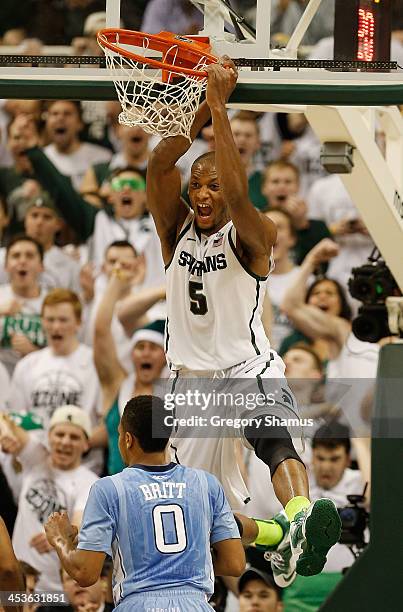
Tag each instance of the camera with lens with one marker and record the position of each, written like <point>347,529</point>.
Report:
<point>372,284</point>
<point>354,520</point>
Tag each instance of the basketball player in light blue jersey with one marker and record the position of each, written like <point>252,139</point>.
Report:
<point>156,520</point>
<point>218,256</point>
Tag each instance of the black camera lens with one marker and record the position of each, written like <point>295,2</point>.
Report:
<point>371,324</point>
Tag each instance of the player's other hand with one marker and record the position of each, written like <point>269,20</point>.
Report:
<point>221,81</point>
<point>58,526</point>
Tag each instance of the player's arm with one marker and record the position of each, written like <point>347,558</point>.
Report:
<point>228,558</point>
<point>228,552</point>
<point>10,574</point>
<point>83,565</point>
<point>256,234</point>
<point>109,369</point>
<point>164,184</point>
<point>82,554</point>
<point>309,319</point>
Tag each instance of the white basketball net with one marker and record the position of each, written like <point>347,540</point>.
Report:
<point>161,108</point>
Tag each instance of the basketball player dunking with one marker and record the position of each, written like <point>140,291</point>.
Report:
<point>218,257</point>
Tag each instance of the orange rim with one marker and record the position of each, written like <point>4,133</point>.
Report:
<point>189,52</point>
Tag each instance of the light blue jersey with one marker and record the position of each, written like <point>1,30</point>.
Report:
<point>157,523</point>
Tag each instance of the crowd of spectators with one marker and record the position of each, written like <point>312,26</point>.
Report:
<point>82,296</point>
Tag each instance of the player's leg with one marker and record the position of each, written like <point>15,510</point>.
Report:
<point>309,545</point>
<point>314,527</point>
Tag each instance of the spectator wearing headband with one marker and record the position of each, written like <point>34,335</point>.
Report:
<point>117,386</point>
<point>125,219</point>
<point>134,153</point>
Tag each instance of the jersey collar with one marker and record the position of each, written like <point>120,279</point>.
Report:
<point>154,468</point>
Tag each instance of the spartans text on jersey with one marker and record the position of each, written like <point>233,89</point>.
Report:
<point>211,263</point>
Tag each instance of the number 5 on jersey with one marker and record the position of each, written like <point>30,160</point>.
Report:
<point>198,301</point>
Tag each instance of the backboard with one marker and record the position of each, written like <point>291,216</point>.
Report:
<point>269,74</point>
<point>334,96</point>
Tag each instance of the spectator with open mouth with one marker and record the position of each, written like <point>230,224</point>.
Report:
<point>66,151</point>
<point>281,186</point>
<point>53,479</point>
<point>320,314</point>
<point>42,222</point>
<point>245,131</point>
<point>20,301</point>
<point>62,373</point>
<point>134,152</point>
<point>117,386</point>
<point>124,217</point>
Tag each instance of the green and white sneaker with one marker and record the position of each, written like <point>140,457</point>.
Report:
<point>280,555</point>
<point>312,533</point>
<point>282,563</point>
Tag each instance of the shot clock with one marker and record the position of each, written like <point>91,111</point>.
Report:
<point>362,30</point>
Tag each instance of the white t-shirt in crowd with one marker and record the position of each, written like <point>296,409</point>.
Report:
<point>277,286</point>
<point>46,489</point>
<point>351,376</point>
<point>140,232</point>
<point>75,165</point>
<point>184,164</point>
<point>43,381</point>
<point>4,386</point>
<point>27,322</point>
<point>306,156</point>
<point>330,201</point>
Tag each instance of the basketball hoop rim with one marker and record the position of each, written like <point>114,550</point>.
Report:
<point>158,42</point>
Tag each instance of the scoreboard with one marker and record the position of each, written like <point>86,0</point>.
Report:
<point>362,30</point>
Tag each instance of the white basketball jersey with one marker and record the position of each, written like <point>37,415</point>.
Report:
<point>214,303</point>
